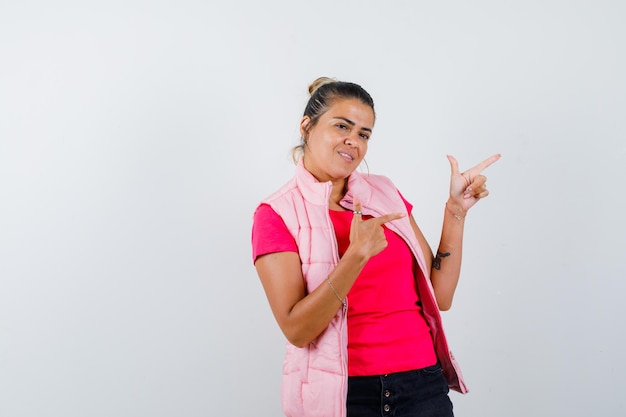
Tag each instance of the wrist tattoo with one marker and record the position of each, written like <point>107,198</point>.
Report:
<point>437,260</point>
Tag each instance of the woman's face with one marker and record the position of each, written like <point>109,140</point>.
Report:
<point>337,143</point>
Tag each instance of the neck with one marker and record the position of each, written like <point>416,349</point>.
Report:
<point>340,187</point>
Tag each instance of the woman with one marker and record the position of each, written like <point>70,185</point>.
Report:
<point>351,280</point>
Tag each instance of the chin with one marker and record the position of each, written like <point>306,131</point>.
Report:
<point>345,173</point>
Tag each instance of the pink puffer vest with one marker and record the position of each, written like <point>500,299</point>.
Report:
<point>315,377</point>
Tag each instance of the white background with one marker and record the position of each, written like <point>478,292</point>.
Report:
<point>137,137</point>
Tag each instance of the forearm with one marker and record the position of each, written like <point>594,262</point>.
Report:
<point>303,317</point>
<point>446,266</point>
<point>310,316</point>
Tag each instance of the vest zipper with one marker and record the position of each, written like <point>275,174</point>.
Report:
<point>344,309</point>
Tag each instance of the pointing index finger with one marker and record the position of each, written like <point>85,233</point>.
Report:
<point>484,164</point>
<point>388,218</point>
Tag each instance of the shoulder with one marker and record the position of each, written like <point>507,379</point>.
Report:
<point>288,188</point>
<point>281,205</point>
<point>383,189</point>
<point>379,184</point>
<point>377,180</point>
<point>270,234</point>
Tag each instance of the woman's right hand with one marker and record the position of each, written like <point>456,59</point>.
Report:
<point>303,315</point>
<point>367,237</point>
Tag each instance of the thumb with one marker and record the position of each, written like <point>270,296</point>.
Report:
<point>356,219</point>
<point>358,214</point>
<point>358,207</point>
<point>454,165</point>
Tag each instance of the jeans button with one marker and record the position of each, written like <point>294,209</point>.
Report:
<point>386,408</point>
<point>387,393</point>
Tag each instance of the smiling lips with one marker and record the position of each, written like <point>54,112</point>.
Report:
<point>347,156</point>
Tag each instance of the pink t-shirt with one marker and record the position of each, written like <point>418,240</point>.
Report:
<point>386,329</point>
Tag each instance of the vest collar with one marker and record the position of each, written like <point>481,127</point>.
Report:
<point>319,192</point>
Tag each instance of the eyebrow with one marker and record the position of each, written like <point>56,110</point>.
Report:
<point>351,123</point>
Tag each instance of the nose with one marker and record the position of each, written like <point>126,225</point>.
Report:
<point>352,139</point>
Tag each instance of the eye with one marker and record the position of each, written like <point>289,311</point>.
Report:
<point>342,126</point>
<point>365,136</point>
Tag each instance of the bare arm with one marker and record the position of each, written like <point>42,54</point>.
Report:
<point>445,267</point>
<point>303,317</point>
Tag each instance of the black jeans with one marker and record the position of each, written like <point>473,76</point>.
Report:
<point>419,393</point>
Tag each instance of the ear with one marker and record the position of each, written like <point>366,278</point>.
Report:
<point>305,124</point>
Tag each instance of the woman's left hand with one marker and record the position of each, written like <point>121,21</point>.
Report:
<point>467,187</point>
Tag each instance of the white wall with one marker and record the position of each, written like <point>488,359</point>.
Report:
<point>137,137</point>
